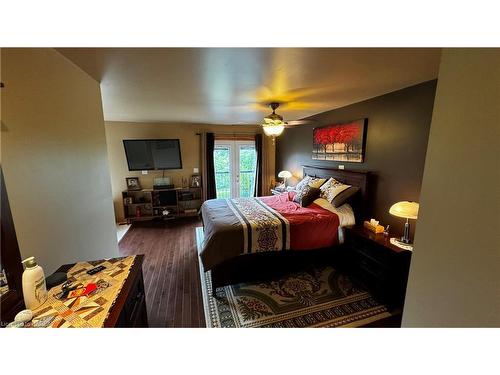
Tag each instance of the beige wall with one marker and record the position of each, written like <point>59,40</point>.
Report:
<point>54,159</point>
<point>116,132</point>
<point>455,272</point>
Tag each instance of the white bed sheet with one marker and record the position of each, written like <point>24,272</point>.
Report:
<point>344,212</point>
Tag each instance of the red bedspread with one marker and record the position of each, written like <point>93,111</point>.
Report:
<point>311,227</point>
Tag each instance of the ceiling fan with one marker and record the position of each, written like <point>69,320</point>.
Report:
<point>273,124</point>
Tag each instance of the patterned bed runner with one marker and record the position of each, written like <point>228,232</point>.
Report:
<point>264,229</point>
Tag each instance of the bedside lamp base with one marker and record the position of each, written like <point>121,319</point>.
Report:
<point>401,244</point>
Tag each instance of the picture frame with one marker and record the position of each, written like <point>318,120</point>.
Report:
<point>343,142</point>
<point>133,183</point>
<point>195,181</point>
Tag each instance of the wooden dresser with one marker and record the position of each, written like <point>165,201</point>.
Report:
<point>129,309</point>
<point>128,303</point>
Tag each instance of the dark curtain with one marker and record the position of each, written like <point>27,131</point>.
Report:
<point>210,192</point>
<point>258,169</point>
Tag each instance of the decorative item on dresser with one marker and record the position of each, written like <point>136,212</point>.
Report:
<point>133,183</point>
<point>195,181</point>
<point>164,182</point>
<point>377,265</point>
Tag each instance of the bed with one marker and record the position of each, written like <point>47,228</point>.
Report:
<point>248,239</point>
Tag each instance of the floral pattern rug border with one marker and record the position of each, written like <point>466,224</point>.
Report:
<point>319,297</point>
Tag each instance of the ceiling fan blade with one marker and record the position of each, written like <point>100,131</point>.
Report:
<point>300,122</point>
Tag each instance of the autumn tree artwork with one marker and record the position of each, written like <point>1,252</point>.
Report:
<point>340,142</point>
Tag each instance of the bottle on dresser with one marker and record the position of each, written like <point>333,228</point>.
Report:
<point>33,280</point>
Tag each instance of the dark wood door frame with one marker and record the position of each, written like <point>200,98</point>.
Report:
<point>12,301</point>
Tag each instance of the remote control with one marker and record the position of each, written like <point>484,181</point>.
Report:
<point>95,270</point>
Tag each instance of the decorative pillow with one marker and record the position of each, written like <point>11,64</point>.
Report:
<point>303,183</point>
<point>344,196</point>
<point>336,192</point>
<point>327,185</point>
<point>316,182</point>
<point>306,195</point>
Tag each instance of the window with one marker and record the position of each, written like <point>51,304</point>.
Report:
<point>235,163</point>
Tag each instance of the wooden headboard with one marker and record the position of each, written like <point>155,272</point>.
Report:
<point>354,178</point>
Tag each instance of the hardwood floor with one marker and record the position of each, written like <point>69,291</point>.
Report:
<point>171,276</point>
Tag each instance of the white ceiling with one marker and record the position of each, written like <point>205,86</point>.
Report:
<point>233,85</point>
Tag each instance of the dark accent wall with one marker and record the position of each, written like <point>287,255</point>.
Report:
<point>396,143</point>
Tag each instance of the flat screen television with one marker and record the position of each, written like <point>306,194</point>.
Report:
<point>151,154</point>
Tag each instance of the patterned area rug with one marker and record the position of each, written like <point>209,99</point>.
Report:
<point>317,297</point>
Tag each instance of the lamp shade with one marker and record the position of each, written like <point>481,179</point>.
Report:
<point>284,174</point>
<point>405,209</point>
<point>273,130</point>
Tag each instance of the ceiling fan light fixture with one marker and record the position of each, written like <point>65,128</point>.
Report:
<point>273,130</point>
<point>273,124</point>
<point>274,119</point>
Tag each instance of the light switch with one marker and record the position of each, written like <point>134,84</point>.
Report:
<point>341,166</point>
<point>196,170</point>
<point>144,172</point>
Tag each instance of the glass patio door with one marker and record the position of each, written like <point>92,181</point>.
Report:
<point>235,163</point>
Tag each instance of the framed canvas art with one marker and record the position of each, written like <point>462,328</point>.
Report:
<point>340,142</point>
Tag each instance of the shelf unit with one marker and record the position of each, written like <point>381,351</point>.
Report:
<point>150,204</point>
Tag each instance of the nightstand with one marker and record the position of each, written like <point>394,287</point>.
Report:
<point>377,265</point>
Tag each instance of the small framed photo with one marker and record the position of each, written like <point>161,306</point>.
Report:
<point>133,183</point>
<point>195,181</point>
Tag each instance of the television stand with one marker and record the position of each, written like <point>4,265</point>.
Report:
<point>151,204</point>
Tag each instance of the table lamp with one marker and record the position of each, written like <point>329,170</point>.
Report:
<point>407,210</point>
<point>284,175</point>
